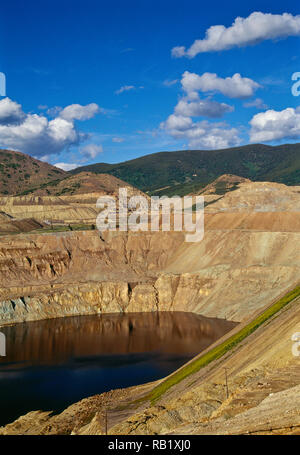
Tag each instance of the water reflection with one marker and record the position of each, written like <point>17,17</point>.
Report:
<point>53,363</point>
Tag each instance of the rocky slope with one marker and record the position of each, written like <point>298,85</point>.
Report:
<point>244,260</point>
<point>223,184</point>
<point>261,366</point>
<point>249,256</point>
<point>240,264</point>
<point>85,183</point>
<point>259,197</point>
<point>73,200</point>
<point>20,172</point>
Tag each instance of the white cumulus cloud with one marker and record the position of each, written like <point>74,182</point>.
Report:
<point>243,32</point>
<point>90,151</point>
<point>201,108</point>
<point>181,124</point>
<point>79,112</point>
<point>201,134</point>
<point>177,124</point>
<point>10,112</point>
<point>258,103</point>
<point>235,86</point>
<point>35,134</point>
<point>67,166</point>
<point>274,125</point>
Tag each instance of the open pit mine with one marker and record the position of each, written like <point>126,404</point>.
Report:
<point>241,283</point>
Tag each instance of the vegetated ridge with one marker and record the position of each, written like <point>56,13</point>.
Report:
<point>186,171</point>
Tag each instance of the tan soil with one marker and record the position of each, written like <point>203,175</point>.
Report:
<point>249,256</point>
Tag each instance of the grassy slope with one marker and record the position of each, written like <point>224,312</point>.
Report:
<point>187,171</point>
<point>224,347</point>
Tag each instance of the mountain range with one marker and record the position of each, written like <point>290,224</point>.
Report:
<point>186,171</point>
<point>164,173</point>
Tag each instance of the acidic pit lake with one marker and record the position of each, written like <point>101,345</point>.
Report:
<point>53,363</point>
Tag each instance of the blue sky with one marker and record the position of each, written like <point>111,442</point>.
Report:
<point>136,95</point>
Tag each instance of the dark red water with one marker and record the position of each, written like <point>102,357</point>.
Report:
<point>54,363</point>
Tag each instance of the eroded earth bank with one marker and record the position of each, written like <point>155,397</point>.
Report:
<point>249,259</point>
